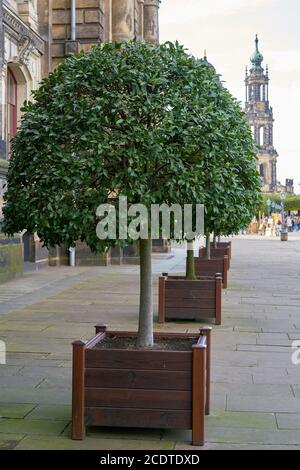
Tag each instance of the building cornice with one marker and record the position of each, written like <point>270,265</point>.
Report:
<point>22,33</point>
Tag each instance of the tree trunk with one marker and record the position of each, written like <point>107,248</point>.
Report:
<point>190,265</point>
<point>215,240</point>
<point>208,246</point>
<point>145,335</point>
<point>219,239</point>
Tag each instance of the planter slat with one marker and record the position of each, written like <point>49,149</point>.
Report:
<point>190,303</point>
<point>132,398</point>
<point>189,313</point>
<point>204,286</point>
<point>120,378</point>
<point>150,360</point>
<point>122,417</point>
<point>194,293</point>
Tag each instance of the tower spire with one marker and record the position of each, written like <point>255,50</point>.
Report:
<point>257,58</point>
<point>260,117</point>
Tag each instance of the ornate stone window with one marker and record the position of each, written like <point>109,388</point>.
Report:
<point>12,104</point>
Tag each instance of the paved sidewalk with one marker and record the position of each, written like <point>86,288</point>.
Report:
<point>256,388</point>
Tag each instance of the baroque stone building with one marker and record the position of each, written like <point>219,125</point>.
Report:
<point>36,35</point>
<point>260,116</point>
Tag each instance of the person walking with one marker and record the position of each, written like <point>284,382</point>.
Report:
<point>278,227</point>
<point>289,224</point>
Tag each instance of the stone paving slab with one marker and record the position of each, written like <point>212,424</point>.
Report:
<point>241,420</point>
<point>288,421</point>
<point>239,435</point>
<point>29,426</point>
<point>280,391</point>
<point>213,446</point>
<point>60,396</point>
<point>250,403</point>
<point>95,443</point>
<point>50,412</point>
<point>255,387</point>
<point>10,441</point>
<point>15,410</point>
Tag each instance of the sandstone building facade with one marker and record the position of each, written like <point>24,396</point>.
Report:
<point>36,35</point>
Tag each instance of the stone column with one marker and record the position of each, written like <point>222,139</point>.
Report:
<point>151,22</point>
<point>108,20</point>
<point>141,17</point>
<point>123,20</point>
<point>45,21</point>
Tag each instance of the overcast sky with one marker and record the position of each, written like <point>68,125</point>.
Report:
<point>227,28</point>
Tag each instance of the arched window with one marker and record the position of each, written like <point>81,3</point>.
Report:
<point>262,170</point>
<point>261,136</point>
<point>12,105</point>
<point>258,92</point>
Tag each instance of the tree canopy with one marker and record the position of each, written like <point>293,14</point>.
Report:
<point>116,118</point>
<point>151,123</point>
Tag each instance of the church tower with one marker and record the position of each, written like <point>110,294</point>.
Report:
<point>260,116</point>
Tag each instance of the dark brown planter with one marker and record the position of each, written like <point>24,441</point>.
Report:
<point>182,299</point>
<point>225,245</point>
<point>211,267</point>
<point>141,388</point>
<point>216,253</point>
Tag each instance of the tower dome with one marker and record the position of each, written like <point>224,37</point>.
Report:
<point>206,62</point>
<point>257,58</point>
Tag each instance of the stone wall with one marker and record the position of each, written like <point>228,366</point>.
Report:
<point>11,258</point>
<point>35,36</point>
<point>90,27</point>
<point>99,21</point>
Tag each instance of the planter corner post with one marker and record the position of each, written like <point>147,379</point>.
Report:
<point>207,331</point>
<point>226,267</point>
<point>199,395</point>
<point>78,425</point>
<point>162,297</point>
<point>219,281</point>
<point>101,328</point>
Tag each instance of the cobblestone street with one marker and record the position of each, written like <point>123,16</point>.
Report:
<point>255,389</point>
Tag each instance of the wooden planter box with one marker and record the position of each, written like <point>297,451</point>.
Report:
<point>211,267</point>
<point>141,388</point>
<point>182,299</point>
<point>225,245</point>
<point>216,253</point>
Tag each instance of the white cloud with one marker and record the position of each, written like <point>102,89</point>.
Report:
<point>287,61</point>
<point>173,11</point>
<point>226,28</point>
